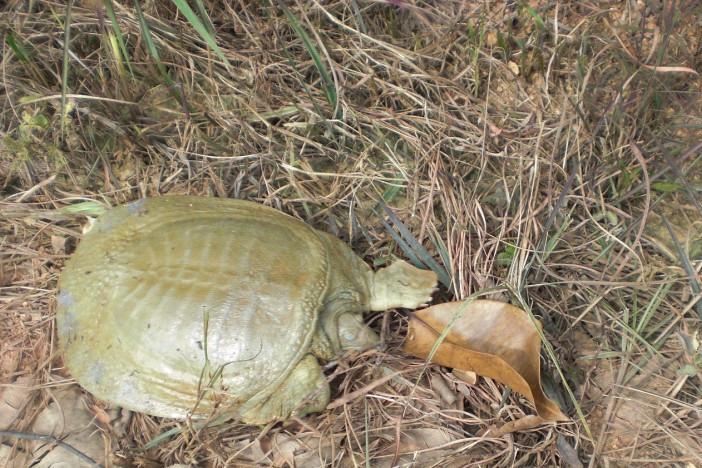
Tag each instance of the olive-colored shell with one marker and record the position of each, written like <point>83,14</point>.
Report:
<point>166,298</point>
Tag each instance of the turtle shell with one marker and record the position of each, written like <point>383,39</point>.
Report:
<point>173,306</point>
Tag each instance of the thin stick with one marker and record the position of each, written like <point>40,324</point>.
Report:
<point>50,438</point>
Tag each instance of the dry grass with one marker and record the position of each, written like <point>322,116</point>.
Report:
<point>535,147</point>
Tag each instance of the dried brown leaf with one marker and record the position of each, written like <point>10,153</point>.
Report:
<point>522,424</point>
<point>569,456</point>
<point>284,449</point>
<point>13,398</point>
<point>419,447</point>
<point>490,338</point>
<point>447,395</point>
<point>414,440</point>
<point>467,376</point>
<point>58,244</point>
<point>100,414</point>
<point>305,452</point>
<point>10,459</point>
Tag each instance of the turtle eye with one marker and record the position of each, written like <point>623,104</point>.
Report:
<point>348,335</point>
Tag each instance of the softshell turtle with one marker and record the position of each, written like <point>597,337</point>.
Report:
<point>180,306</point>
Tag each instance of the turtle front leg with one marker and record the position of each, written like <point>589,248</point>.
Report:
<point>305,391</point>
<point>401,285</point>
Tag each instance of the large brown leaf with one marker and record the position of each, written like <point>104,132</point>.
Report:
<point>490,338</point>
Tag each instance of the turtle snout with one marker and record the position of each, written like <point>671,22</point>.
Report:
<point>354,334</point>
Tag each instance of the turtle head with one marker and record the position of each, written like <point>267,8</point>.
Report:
<point>401,285</point>
<point>353,333</point>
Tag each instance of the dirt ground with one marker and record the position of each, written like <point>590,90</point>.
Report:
<point>548,148</point>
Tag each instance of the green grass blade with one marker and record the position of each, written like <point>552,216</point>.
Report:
<point>289,57</point>
<point>537,18</point>
<point>179,429</point>
<point>89,208</point>
<point>690,192</point>
<point>64,71</point>
<point>400,241</point>
<point>148,40</point>
<point>651,307</point>
<point>414,244</point>
<point>443,253</point>
<point>17,47</point>
<point>200,28</point>
<point>689,269</point>
<point>329,88</point>
<point>393,190</point>
<point>204,16</point>
<point>541,242</point>
<point>658,174</point>
<point>521,303</point>
<point>553,241</point>
<point>109,7</point>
